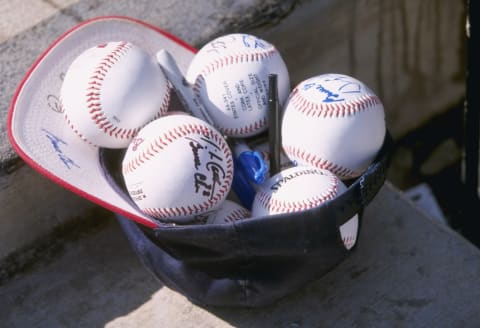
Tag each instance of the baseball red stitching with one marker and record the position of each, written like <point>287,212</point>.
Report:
<point>337,109</point>
<point>237,214</point>
<point>252,127</point>
<point>94,105</point>
<point>149,151</point>
<point>167,212</point>
<point>315,109</point>
<point>349,240</point>
<point>283,206</point>
<point>316,161</point>
<point>224,61</point>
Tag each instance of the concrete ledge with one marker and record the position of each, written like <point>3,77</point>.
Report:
<point>31,206</point>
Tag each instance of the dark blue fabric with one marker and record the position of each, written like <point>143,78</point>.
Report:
<point>257,261</point>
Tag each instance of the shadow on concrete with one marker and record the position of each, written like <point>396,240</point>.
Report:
<point>87,281</point>
<point>435,151</point>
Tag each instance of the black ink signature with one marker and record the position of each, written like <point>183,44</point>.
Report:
<point>195,146</point>
<point>57,144</point>
<point>54,103</point>
<point>216,170</point>
<point>206,183</point>
<point>200,181</point>
<point>216,45</point>
<point>210,142</point>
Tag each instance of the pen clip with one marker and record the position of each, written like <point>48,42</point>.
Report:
<point>253,164</point>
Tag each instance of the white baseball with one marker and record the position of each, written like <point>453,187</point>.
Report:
<point>111,91</point>
<point>230,77</point>
<point>178,166</point>
<point>301,188</point>
<point>335,122</point>
<point>228,212</point>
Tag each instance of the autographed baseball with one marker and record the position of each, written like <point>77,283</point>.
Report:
<point>228,212</point>
<point>334,122</point>
<point>301,188</point>
<point>230,77</point>
<point>178,166</point>
<point>111,91</point>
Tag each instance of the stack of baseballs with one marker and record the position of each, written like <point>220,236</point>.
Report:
<point>178,166</point>
<point>332,128</point>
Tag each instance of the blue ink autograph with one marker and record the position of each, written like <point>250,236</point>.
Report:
<point>57,143</point>
<point>331,96</point>
<point>348,86</point>
<point>252,42</point>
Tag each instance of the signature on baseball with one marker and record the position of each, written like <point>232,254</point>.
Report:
<point>248,41</point>
<point>334,88</point>
<point>208,173</point>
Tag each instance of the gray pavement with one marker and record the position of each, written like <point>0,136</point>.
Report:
<point>20,15</point>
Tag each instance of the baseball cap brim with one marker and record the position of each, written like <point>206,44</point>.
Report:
<point>36,124</point>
